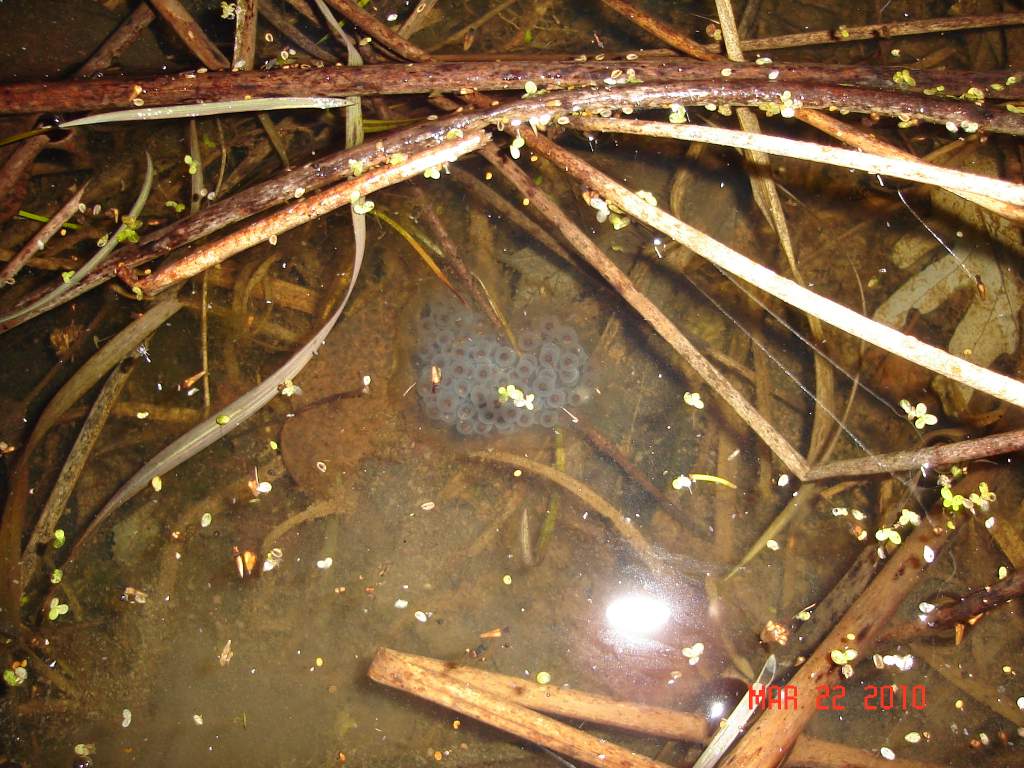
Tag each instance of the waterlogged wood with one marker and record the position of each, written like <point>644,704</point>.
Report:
<point>885,30</point>
<point>388,668</point>
<point>864,89</point>
<point>914,170</point>
<point>657,319</point>
<point>190,33</point>
<point>307,209</point>
<point>572,704</point>
<point>935,456</point>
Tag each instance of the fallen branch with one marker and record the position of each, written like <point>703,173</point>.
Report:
<point>39,240</point>
<point>885,30</point>
<point>190,33</point>
<point>389,667</point>
<point>865,89</point>
<point>664,327</point>
<point>965,610</point>
<point>831,312</point>
<point>935,456</point>
<point>913,170</point>
<point>306,209</point>
<point>823,122</point>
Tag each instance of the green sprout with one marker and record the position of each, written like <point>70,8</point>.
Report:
<point>918,414</point>
<point>519,398</point>
<point>57,609</point>
<point>175,205</point>
<point>193,165</point>
<point>128,231</point>
<point>950,500</point>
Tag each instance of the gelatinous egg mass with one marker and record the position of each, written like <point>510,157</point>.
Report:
<point>473,379</point>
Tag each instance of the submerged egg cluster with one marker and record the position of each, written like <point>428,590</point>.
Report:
<point>474,380</point>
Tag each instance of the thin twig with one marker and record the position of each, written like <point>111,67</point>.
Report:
<point>39,240</point>
<point>307,209</point>
<point>190,33</point>
<point>885,30</point>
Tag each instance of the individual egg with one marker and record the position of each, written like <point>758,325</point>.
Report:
<point>431,409</point>
<point>530,340</point>
<point>458,368</point>
<point>484,373</point>
<point>568,376</point>
<point>464,427</point>
<point>525,367</point>
<point>578,396</point>
<point>482,427</point>
<point>482,396</point>
<point>548,419</point>
<point>556,399</point>
<point>549,354</point>
<point>546,326</point>
<point>525,418</point>
<point>565,337</point>
<point>544,382</point>
<point>465,411</point>
<point>487,415</point>
<point>503,356</point>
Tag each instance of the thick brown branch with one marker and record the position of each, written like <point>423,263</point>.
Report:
<point>748,84</point>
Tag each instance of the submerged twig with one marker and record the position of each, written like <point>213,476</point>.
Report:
<point>307,209</point>
<point>922,458</point>
<point>39,240</point>
<point>89,433</point>
<point>656,560</point>
<point>190,33</point>
<point>13,521</point>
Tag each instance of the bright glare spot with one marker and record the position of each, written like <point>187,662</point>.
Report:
<point>637,614</point>
<point>717,710</point>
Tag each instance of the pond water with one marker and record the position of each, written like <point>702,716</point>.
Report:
<point>525,478</point>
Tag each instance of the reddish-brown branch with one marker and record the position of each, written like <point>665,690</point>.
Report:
<point>936,456</point>
<point>306,209</point>
<point>190,33</point>
<point>966,610</point>
<point>865,89</point>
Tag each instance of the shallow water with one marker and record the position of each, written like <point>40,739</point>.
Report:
<point>392,519</point>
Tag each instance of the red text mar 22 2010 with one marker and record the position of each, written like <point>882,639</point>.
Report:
<point>838,698</point>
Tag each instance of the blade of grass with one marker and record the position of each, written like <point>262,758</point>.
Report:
<point>70,281</point>
<point>205,110</point>
<point>420,250</point>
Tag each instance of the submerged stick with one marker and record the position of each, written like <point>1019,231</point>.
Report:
<point>823,122</point>
<point>665,328</point>
<point>394,670</point>
<point>39,240</point>
<point>307,209</point>
<point>190,33</point>
<point>572,704</point>
<point>655,559</point>
<point>884,30</point>
<point>56,503</point>
<point>921,458</point>
<point>827,310</point>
